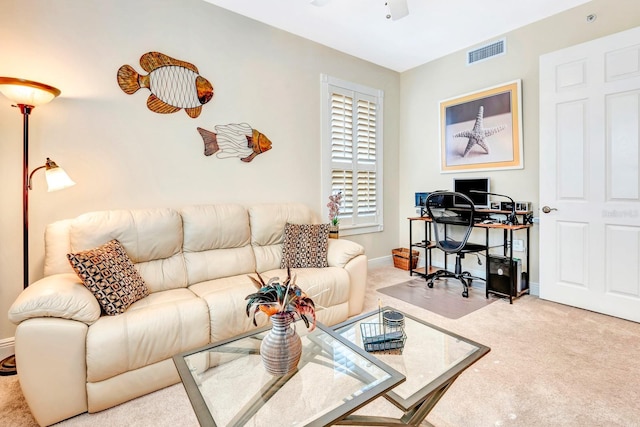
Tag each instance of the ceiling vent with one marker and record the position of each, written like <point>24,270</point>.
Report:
<point>487,51</point>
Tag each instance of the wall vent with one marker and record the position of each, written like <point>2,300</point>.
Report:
<point>491,50</point>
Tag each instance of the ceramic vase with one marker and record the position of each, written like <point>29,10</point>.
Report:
<point>334,231</point>
<point>281,348</point>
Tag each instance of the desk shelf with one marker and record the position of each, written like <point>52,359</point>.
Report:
<point>427,246</point>
<point>424,245</point>
<point>422,271</point>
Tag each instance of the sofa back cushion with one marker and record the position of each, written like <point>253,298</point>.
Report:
<point>267,230</point>
<point>152,239</point>
<point>216,242</point>
<point>176,248</point>
<point>56,248</point>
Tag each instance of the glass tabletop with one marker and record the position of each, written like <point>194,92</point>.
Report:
<point>429,358</point>
<point>228,385</point>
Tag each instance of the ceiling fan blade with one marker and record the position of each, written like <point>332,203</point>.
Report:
<point>397,9</point>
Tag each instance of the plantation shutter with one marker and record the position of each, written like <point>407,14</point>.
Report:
<point>366,161</point>
<point>354,134</point>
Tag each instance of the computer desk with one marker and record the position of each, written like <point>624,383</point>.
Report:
<point>507,248</point>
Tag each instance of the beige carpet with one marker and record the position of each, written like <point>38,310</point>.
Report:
<point>549,365</point>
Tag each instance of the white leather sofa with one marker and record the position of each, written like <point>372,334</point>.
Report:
<point>195,262</point>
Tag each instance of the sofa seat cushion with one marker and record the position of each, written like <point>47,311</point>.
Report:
<point>151,330</point>
<point>227,305</point>
<point>225,297</point>
<point>327,287</point>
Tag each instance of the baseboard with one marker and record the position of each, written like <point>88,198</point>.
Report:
<point>7,347</point>
<point>380,262</point>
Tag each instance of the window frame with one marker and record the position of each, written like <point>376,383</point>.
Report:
<point>361,226</point>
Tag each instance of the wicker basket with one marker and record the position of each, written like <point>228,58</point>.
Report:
<point>401,258</point>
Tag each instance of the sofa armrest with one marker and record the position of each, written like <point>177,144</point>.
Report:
<point>58,295</point>
<point>341,251</point>
<point>52,362</point>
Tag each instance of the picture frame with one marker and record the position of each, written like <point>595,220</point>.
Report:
<point>482,130</point>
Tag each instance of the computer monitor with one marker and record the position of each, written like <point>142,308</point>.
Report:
<point>421,199</point>
<point>465,185</point>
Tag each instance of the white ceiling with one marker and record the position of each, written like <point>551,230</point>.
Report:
<point>433,28</point>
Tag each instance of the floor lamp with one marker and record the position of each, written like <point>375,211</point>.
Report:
<point>26,95</point>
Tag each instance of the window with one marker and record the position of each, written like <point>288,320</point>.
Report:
<point>352,153</point>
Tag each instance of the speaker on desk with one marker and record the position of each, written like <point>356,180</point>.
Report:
<point>506,206</point>
<point>502,273</point>
<point>523,206</point>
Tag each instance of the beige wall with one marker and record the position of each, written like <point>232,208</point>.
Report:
<point>424,87</point>
<point>124,156</point>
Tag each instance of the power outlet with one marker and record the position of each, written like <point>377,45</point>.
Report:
<point>518,245</point>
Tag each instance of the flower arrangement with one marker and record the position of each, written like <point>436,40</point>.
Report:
<point>274,297</point>
<point>334,208</point>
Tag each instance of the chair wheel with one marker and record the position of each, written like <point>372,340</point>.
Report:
<point>430,284</point>
<point>465,294</point>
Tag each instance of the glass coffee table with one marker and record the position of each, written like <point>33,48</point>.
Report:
<point>228,385</point>
<point>431,358</point>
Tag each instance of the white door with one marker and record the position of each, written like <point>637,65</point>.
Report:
<point>589,180</point>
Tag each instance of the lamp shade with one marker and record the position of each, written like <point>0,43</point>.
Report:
<point>27,92</point>
<point>57,178</point>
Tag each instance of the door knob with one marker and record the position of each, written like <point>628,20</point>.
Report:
<point>547,209</point>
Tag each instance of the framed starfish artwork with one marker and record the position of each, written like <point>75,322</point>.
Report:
<point>482,130</point>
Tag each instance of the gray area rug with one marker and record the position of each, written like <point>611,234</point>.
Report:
<point>445,298</point>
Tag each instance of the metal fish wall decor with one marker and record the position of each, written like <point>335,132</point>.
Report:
<point>173,84</point>
<point>234,140</point>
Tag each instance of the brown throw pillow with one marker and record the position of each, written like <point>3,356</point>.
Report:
<point>305,245</point>
<point>108,272</point>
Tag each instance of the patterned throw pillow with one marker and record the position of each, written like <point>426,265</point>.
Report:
<point>108,272</point>
<point>305,245</point>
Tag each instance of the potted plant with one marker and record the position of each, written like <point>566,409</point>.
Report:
<point>283,302</point>
<point>334,212</point>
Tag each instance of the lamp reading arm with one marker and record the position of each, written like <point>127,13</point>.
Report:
<point>29,186</point>
<point>57,178</point>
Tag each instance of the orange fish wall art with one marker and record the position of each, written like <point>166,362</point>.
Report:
<point>234,140</point>
<point>173,84</point>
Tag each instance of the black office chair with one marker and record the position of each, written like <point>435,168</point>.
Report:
<point>447,209</point>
